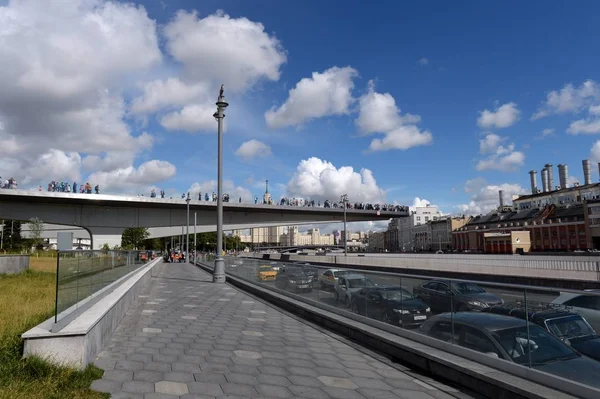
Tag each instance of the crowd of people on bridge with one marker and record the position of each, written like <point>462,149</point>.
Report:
<point>9,183</point>
<point>66,187</point>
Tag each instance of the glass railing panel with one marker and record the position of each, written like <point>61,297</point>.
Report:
<point>81,274</point>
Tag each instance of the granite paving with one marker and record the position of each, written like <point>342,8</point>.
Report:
<point>186,337</point>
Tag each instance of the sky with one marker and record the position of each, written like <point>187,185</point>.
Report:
<point>402,102</point>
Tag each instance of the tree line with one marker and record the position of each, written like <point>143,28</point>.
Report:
<point>137,239</point>
<point>11,239</point>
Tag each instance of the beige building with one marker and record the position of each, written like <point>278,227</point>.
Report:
<point>441,231</point>
<point>270,235</point>
<point>313,237</point>
<point>509,242</point>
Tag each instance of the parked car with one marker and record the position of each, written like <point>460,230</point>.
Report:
<point>266,273</point>
<point>329,278</point>
<point>509,338</point>
<point>586,305</point>
<point>571,328</point>
<point>348,284</point>
<point>391,304</point>
<point>295,279</point>
<point>276,266</point>
<point>457,296</point>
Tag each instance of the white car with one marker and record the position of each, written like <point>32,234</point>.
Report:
<point>349,284</point>
<point>328,279</point>
<point>586,305</point>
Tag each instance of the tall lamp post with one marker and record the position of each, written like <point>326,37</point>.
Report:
<point>187,230</point>
<point>219,273</point>
<point>195,247</point>
<point>344,200</point>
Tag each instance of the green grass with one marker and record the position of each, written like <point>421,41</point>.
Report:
<point>26,300</point>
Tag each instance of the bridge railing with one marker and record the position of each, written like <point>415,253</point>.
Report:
<point>82,274</point>
<point>498,325</point>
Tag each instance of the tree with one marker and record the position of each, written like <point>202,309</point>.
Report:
<point>36,229</point>
<point>11,235</point>
<point>105,247</point>
<point>133,238</point>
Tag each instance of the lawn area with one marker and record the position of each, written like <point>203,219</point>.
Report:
<point>42,264</point>
<point>26,300</point>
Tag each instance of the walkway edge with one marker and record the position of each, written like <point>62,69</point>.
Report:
<point>490,382</point>
<point>78,343</point>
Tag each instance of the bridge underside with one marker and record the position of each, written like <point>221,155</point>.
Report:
<point>105,215</point>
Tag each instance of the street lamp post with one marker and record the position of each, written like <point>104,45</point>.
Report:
<point>195,247</point>
<point>187,230</point>
<point>219,273</point>
<point>344,201</point>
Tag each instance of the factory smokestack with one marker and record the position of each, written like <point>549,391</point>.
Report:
<point>548,167</point>
<point>501,196</point>
<point>563,175</point>
<point>544,180</point>
<point>533,178</point>
<point>587,171</point>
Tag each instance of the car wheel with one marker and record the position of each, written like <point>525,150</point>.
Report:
<point>386,318</point>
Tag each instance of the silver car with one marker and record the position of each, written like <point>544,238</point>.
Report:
<point>348,285</point>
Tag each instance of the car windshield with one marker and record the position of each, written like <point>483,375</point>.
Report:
<point>467,288</point>
<point>397,294</point>
<point>338,273</point>
<point>573,326</point>
<point>541,346</point>
<point>266,269</point>
<point>359,282</point>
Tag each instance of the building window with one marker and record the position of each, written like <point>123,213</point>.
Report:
<point>426,218</point>
<point>418,218</point>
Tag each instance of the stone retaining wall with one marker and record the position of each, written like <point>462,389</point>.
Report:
<point>12,264</point>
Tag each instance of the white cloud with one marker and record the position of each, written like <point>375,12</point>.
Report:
<point>64,67</point>
<point>503,116</point>
<point>320,180</point>
<point>490,143</point>
<point>158,94</point>
<point>253,149</point>
<point>130,179</point>
<point>234,51</point>
<point>584,126</point>
<point>420,203</point>
<point>108,162</point>
<point>474,185</point>
<point>501,158</point>
<point>569,99</point>
<point>323,94</point>
<point>594,110</point>
<point>192,119</point>
<point>378,113</point>
<point>486,197</point>
<point>423,61</point>
<point>595,152</point>
<point>210,186</point>
<point>547,132</point>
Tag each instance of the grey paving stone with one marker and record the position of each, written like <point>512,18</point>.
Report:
<point>373,393</point>
<point>118,375</point>
<point>303,371</point>
<point>342,393</point>
<point>129,365</point>
<point>147,376</point>
<point>205,388</point>
<point>273,370</point>
<point>308,392</point>
<point>138,387</point>
<point>305,381</point>
<point>107,386</point>
<point>273,380</point>
<point>337,382</point>
<point>362,373</point>
<point>196,396</point>
<point>126,395</point>
<point>171,387</point>
<point>178,376</point>
<point>332,372</point>
<point>407,394</point>
<point>158,366</point>
<point>274,391</point>
<point>371,383</point>
<point>155,395</point>
<point>210,377</point>
<point>238,389</point>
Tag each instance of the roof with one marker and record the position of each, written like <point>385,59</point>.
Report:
<point>526,215</point>
<point>561,191</point>
<point>489,321</point>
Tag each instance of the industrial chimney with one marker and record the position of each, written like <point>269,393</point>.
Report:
<point>533,178</point>
<point>563,174</point>
<point>544,180</point>
<point>587,171</point>
<point>501,195</point>
<point>548,167</point>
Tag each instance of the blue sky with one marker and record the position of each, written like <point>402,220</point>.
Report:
<point>445,62</point>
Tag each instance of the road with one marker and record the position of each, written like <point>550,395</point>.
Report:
<point>509,295</point>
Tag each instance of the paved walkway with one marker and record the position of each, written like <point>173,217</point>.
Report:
<point>186,337</point>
